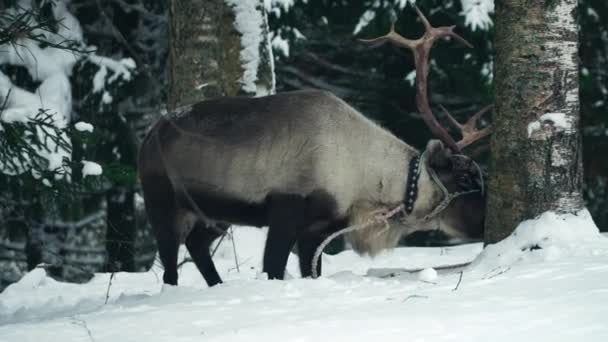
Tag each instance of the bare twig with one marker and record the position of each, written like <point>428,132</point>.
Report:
<point>240,264</point>
<point>27,25</point>
<point>154,271</point>
<point>338,68</point>
<point>413,296</point>
<point>418,269</point>
<point>183,262</point>
<point>316,82</point>
<point>459,280</point>
<point>236,259</point>
<point>491,275</point>
<point>5,102</point>
<point>109,286</point>
<point>218,245</point>
<point>81,322</point>
<point>122,40</point>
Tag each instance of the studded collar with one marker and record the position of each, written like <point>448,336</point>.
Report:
<point>411,188</point>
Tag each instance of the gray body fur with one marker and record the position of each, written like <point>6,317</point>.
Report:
<point>303,143</point>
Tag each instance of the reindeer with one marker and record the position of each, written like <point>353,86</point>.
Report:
<point>305,164</point>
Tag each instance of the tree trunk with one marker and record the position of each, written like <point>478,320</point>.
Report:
<point>121,226</point>
<point>121,230</point>
<point>218,48</point>
<point>536,143</point>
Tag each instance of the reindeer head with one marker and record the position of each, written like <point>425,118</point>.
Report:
<point>459,206</point>
<point>460,211</point>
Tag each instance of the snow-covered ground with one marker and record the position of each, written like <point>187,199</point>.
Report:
<point>547,282</point>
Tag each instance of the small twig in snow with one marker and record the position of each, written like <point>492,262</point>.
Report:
<point>236,259</point>
<point>489,275</point>
<point>429,282</point>
<point>218,245</point>
<point>459,280</point>
<point>83,323</point>
<point>185,261</point>
<point>108,291</point>
<point>413,296</point>
<point>241,264</point>
<point>155,273</point>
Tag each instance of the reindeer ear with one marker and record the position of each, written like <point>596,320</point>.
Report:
<point>437,155</point>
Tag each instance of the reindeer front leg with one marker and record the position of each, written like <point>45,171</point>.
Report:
<point>286,216</point>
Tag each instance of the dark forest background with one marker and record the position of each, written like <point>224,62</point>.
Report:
<point>99,225</point>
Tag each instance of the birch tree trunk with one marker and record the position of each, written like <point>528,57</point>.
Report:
<point>218,48</point>
<point>536,143</point>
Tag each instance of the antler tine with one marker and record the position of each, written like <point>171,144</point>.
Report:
<point>421,48</point>
<point>433,33</point>
<point>458,37</point>
<point>472,137</point>
<point>473,119</point>
<point>425,21</point>
<point>453,121</point>
<point>391,37</point>
<point>469,131</point>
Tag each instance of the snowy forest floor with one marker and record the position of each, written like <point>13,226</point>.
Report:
<point>547,282</point>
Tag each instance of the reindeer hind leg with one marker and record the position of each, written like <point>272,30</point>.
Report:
<point>161,212</point>
<point>198,243</point>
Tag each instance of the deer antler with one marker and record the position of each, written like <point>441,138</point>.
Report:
<point>421,48</point>
<point>468,130</point>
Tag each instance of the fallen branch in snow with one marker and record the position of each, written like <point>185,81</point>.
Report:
<point>396,271</point>
<point>459,280</point>
<point>109,286</point>
<point>491,275</point>
<point>413,296</point>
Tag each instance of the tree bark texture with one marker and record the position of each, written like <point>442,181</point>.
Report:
<point>206,51</point>
<point>536,143</point>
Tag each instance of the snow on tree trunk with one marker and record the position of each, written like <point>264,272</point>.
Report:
<point>218,48</point>
<point>536,144</point>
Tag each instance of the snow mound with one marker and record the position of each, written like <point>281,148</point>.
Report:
<point>427,274</point>
<point>38,296</point>
<point>42,291</point>
<point>383,298</point>
<point>549,237</point>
